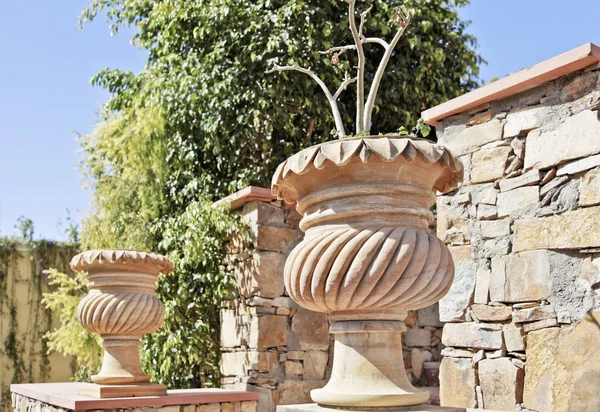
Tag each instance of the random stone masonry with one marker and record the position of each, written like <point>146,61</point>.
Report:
<point>524,230</point>
<point>272,346</point>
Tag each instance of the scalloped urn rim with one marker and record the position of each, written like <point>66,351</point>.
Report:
<point>121,259</point>
<point>389,148</point>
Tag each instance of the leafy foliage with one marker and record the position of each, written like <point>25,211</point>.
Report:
<point>203,120</point>
<point>71,338</point>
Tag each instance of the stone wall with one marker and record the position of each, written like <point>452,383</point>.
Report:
<point>22,403</point>
<point>270,345</point>
<point>524,230</point>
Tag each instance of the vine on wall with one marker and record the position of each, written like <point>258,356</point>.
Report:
<point>23,319</point>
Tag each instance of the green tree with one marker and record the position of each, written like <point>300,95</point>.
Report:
<point>203,120</point>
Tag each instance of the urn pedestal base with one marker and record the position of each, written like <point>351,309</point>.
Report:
<point>313,407</point>
<point>368,368</point>
<point>94,390</point>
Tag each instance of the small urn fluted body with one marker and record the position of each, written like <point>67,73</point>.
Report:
<point>121,307</point>
<point>368,255</point>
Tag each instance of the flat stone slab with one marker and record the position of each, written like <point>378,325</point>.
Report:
<point>313,407</point>
<point>64,395</point>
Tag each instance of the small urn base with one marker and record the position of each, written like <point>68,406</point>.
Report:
<point>121,391</point>
<point>368,368</point>
<point>313,407</point>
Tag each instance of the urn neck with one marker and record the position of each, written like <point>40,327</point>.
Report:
<point>122,281</point>
<point>356,205</point>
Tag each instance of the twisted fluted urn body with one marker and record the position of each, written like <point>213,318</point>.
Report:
<point>368,255</point>
<point>121,306</point>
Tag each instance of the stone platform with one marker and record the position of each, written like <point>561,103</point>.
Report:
<point>313,407</point>
<point>54,397</point>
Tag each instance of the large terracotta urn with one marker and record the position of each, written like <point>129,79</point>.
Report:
<point>368,255</point>
<point>121,306</point>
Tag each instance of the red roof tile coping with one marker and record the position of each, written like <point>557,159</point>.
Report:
<point>525,79</point>
<point>248,194</point>
<point>64,395</point>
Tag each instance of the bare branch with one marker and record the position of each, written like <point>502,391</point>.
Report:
<point>339,49</point>
<point>402,21</point>
<point>363,15</point>
<point>376,40</point>
<point>347,82</point>
<point>339,124</point>
<point>360,94</point>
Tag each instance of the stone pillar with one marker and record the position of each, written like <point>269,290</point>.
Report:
<point>524,230</point>
<point>269,345</point>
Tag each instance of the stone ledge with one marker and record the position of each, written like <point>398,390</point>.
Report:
<point>64,395</point>
<point>313,407</point>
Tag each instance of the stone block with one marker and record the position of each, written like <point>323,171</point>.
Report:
<point>417,337</point>
<point>448,222</point>
<point>209,407</point>
<point>524,120</point>
<point>260,213</point>
<point>293,368</point>
<point>576,137</point>
<point>473,335</point>
<point>562,231</point>
<point>589,188</point>
<point>521,277</point>
<point>484,193</point>
<point>514,200</point>
<point>457,353</point>
<point>526,179</point>
<point>457,382</point>
<point>487,212</point>
<point>579,86</point>
<point>590,271</point>
<point>268,332</point>
<point>315,364</point>
<point>452,307</point>
<point>501,384</point>
<point>277,239</point>
<point>234,329</point>
<point>471,138</point>
<point>487,165</point>
<point>487,313</point>
<point>417,358</point>
<point>297,392</point>
<point>429,316</point>
<point>261,275</point>
<point>494,228</point>
<point>310,331</point>
<point>578,166</point>
<point>539,324</point>
<point>563,367</point>
<point>533,314</point>
<point>513,337</point>
<point>482,286</point>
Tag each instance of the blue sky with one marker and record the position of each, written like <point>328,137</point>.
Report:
<point>46,97</point>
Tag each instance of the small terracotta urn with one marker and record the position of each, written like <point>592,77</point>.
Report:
<point>121,306</point>
<point>368,255</point>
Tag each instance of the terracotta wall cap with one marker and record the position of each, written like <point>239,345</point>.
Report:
<point>247,194</point>
<point>388,148</point>
<point>119,259</point>
<point>518,82</point>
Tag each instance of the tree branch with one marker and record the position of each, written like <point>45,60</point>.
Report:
<point>339,124</point>
<point>376,40</point>
<point>403,21</point>
<point>363,15</point>
<point>360,93</point>
<point>347,82</point>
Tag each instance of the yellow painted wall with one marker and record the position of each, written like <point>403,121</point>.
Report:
<point>23,295</point>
